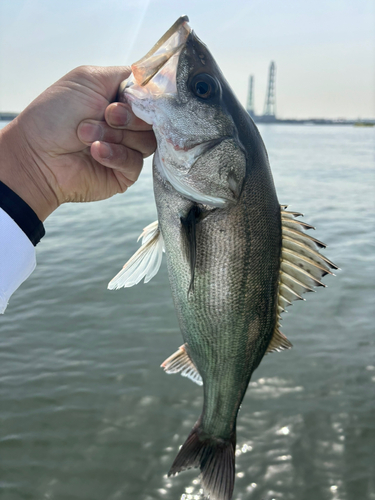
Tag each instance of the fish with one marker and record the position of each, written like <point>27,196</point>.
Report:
<point>236,258</point>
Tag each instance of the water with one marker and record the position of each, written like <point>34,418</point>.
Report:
<point>86,412</point>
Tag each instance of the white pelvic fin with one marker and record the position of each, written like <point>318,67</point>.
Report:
<point>301,269</point>
<point>180,362</point>
<point>146,261</point>
<point>148,232</point>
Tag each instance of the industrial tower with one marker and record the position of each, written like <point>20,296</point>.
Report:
<point>250,97</point>
<point>270,105</point>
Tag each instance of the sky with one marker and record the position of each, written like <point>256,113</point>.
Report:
<point>324,50</point>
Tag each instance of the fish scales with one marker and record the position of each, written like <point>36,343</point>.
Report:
<point>227,240</point>
<point>228,322</point>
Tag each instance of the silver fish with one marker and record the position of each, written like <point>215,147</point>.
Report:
<point>236,258</point>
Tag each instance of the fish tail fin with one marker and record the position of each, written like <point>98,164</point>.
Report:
<point>214,456</point>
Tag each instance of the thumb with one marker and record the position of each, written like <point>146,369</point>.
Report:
<point>111,77</point>
<point>104,80</point>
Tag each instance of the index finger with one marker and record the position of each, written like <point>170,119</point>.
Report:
<point>120,115</point>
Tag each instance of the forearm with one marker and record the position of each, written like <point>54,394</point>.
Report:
<point>22,205</point>
<point>19,171</point>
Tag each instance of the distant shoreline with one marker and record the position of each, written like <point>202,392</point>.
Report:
<point>5,116</point>
<point>272,120</point>
<point>352,123</point>
<point>266,120</point>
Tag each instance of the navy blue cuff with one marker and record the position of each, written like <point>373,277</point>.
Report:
<point>22,214</point>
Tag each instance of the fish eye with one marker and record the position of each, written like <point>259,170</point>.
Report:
<point>204,86</point>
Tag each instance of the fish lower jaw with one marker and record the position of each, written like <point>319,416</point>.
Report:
<point>141,108</point>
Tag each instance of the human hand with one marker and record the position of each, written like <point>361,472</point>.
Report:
<point>60,148</point>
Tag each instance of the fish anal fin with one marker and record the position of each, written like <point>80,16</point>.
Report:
<point>181,362</point>
<point>278,343</point>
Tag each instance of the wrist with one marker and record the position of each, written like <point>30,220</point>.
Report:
<point>22,172</point>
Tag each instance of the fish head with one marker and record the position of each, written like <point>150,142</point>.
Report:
<point>153,78</point>
<point>180,90</point>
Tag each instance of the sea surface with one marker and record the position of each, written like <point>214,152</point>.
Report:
<point>86,412</point>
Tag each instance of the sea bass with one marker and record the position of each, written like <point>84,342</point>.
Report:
<point>236,258</point>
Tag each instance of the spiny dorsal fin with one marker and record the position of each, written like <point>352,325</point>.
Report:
<point>181,362</point>
<point>301,269</point>
<point>146,261</point>
<point>278,343</point>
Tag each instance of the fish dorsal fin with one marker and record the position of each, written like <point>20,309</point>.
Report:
<point>146,261</point>
<point>278,343</point>
<point>189,224</point>
<point>181,362</point>
<point>301,269</point>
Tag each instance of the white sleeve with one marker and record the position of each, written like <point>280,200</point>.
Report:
<point>17,258</point>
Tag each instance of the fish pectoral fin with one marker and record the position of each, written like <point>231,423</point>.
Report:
<point>181,362</point>
<point>278,343</point>
<point>146,261</point>
<point>189,225</point>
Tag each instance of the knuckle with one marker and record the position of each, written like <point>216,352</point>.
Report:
<point>82,70</point>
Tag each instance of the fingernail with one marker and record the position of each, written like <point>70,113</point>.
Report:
<point>90,132</point>
<point>119,116</point>
<point>104,150</point>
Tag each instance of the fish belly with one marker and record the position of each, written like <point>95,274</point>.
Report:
<point>228,318</point>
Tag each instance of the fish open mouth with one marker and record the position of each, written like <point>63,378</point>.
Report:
<point>156,72</point>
